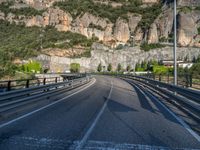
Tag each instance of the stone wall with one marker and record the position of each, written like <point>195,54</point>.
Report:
<point>127,56</point>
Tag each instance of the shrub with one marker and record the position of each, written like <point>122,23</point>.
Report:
<point>31,66</point>
<point>128,68</point>
<point>160,70</point>
<point>198,30</point>
<point>99,68</point>
<point>109,68</point>
<point>74,67</point>
<point>119,67</point>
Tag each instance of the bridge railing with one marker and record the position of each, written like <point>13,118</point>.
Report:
<point>184,80</point>
<point>189,99</point>
<point>21,97</point>
<point>10,85</point>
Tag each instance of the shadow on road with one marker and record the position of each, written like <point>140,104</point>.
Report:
<point>115,106</point>
<point>144,102</point>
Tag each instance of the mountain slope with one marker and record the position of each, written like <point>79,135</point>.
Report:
<point>69,27</point>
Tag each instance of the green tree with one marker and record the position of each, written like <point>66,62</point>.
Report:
<point>99,68</point>
<point>109,68</point>
<point>75,67</point>
<point>119,67</point>
<point>137,66</point>
<point>128,68</point>
<point>31,66</point>
<point>195,70</point>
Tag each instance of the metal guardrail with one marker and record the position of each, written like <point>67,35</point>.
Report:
<point>27,83</point>
<point>14,99</point>
<point>185,80</point>
<point>188,98</point>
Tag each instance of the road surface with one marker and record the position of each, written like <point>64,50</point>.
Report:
<point>109,114</point>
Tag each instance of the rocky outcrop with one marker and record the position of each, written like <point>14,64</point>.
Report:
<point>90,25</point>
<point>121,30</point>
<point>39,4</point>
<point>187,30</point>
<point>188,2</point>
<point>133,20</point>
<point>165,23</point>
<point>53,17</point>
<point>70,52</point>
<point>2,16</point>
<point>153,34</point>
<point>150,1</point>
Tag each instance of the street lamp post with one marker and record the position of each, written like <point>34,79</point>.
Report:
<point>175,44</point>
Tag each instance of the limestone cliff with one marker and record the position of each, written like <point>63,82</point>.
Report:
<point>120,32</point>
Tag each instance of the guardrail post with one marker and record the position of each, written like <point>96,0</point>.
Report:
<point>160,77</point>
<point>44,81</point>
<point>187,80</point>
<point>38,82</point>
<point>27,83</point>
<point>56,80</point>
<point>190,80</point>
<point>168,78</point>
<point>9,86</point>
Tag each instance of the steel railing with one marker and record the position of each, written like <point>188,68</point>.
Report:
<point>188,98</point>
<point>16,98</point>
<point>9,85</point>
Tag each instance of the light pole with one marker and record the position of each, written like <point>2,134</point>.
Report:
<point>175,44</point>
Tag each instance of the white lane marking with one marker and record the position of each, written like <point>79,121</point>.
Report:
<point>42,108</point>
<point>89,131</point>
<point>185,125</point>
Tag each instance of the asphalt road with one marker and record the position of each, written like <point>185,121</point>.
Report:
<point>110,114</point>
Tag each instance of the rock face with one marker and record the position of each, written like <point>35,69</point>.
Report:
<point>39,4</point>
<point>121,31</point>
<point>90,25</point>
<point>53,17</point>
<point>188,24</point>
<point>153,34</point>
<point>150,1</point>
<point>188,2</point>
<point>2,16</point>
<point>127,56</point>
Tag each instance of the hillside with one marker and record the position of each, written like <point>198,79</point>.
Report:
<point>69,27</point>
